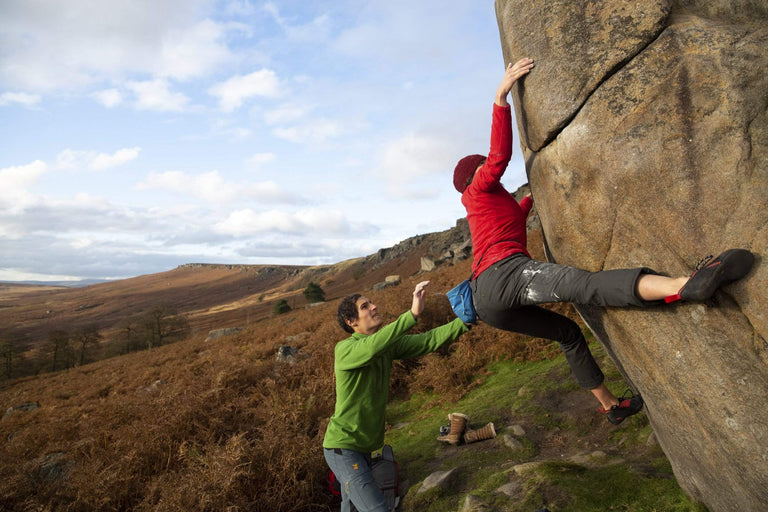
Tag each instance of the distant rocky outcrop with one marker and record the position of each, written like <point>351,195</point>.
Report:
<point>287,354</point>
<point>388,282</point>
<point>454,245</point>
<point>26,406</point>
<point>644,127</point>
<point>49,468</point>
<point>302,273</point>
<point>255,269</point>
<point>434,246</point>
<point>225,331</point>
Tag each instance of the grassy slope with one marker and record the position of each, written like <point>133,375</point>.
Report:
<point>560,421</point>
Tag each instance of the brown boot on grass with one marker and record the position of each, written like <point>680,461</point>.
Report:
<point>481,434</point>
<point>458,425</point>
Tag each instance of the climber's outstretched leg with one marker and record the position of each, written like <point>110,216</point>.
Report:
<point>520,281</point>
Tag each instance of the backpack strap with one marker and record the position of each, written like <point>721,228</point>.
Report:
<point>387,453</point>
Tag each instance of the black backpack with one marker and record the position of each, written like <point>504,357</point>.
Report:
<point>385,472</point>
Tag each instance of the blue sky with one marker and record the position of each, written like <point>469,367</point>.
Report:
<point>138,135</point>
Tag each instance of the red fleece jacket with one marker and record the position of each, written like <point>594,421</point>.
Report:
<point>496,219</point>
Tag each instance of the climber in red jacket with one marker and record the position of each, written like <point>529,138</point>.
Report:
<point>507,284</point>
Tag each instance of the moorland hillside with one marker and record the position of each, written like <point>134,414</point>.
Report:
<point>205,296</point>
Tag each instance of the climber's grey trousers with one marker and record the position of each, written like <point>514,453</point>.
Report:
<point>506,293</point>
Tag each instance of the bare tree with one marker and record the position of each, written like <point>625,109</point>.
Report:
<point>12,346</point>
<point>130,337</point>
<point>163,324</point>
<point>60,349</point>
<point>85,337</point>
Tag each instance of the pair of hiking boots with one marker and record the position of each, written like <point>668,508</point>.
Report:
<point>458,431</point>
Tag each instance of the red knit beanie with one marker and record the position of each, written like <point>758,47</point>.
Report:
<point>464,169</point>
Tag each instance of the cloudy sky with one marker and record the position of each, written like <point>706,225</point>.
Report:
<point>138,135</point>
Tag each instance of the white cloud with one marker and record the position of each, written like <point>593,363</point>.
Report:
<point>237,89</point>
<point>244,222</point>
<point>409,165</point>
<point>28,100</point>
<point>81,243</point>
<point>105,161</point>
<point>415,155</point>
<point>108,97</point>
<point>285,114</point>
<point>193,51</point>
<point>315,30</point>
<point>259,159</point>
<point>156,95</point>
<point>83,201</point>
<point>19,177</point>
<point>239,8</point>
<point>210,186</point>
<point>313,221</point>
<point>14,182</point>
<point>91,238</point>
<point>313,132</point>
<point>63,45</point>
<point>17,275</point>
<point>71,159</point>
<point>273,11</point>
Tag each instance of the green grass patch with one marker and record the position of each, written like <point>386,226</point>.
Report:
<point>572,487</point>
<point>515,390</point>
<point>500,391</point>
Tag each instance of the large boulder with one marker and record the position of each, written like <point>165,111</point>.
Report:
<point>644,126</point>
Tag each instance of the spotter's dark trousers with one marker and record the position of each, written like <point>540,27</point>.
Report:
<point>506,293</point>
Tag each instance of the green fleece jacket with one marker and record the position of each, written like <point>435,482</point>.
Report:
<point>362,367</point>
